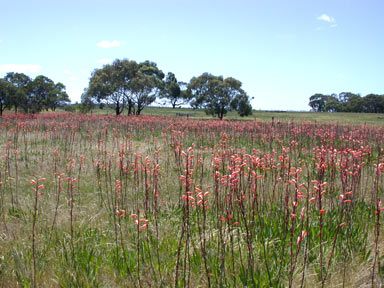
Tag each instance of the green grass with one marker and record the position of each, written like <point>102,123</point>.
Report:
<point>321,117</point>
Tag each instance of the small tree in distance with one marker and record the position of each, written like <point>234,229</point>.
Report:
<point>218,95</point>
<point>174,91</point>
<point>6,91</point>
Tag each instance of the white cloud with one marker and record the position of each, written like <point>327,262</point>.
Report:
<point>326,18</point>
<point>20,68</point>
<point>104,61</point>
<point>108,44</point>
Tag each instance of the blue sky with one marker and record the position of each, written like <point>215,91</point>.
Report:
<point>283,51</point>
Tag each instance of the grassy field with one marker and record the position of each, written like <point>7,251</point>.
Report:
<point>169,201</point>
<point>321,117</point>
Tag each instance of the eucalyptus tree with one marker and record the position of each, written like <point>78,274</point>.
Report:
<point>146,85</point>
<point>57,96</point>
<point>218,95</point>
<point>174,91</point>
<point>7,89</point>
<point>22,82</point>
<point>109,84</point>
<point>126,83</point>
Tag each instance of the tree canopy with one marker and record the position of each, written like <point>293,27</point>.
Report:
<point>347,102</point>
<point>174,91</point>
<point>218,95</point>
<point>19,90</point>
<point>126,83</point>
<point>6,91</point>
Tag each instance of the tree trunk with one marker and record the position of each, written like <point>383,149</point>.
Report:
<point>118,109</point>
<point>130,106</point>
<point>221,114</point>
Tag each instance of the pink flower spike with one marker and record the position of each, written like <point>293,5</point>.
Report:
<point>299,239</point>
<point>145,226</point>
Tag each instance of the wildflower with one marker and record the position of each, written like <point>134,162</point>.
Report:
<point>312,199</point>
<point>300,238</point>
<point>145,226</point>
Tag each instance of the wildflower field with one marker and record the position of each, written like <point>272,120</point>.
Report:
<point>157,201</point>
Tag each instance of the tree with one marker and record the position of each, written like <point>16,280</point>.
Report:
<point>57,96</point>
<point>43,93</point>
<point>242,105</point>
<point>349,102</point>
<point>373,103</point>
<point>317,102</point>
<point>109,84</point>
<point>6,91</point>
<point>86,102</point>
<point>146,85</point>
<point>331,103</point>
<point>22,82</point>
<point>126,83</point>
<point>174,91</point>
<point>218,95</point>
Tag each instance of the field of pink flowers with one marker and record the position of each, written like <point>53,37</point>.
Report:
<point>156,201</point>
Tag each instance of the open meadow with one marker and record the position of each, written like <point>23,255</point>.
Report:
<point>166,201</point>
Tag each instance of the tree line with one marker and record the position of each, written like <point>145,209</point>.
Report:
<point>131,86</point>
<point>127,85</point>
<point>347,102</point>
<point>21,92</point>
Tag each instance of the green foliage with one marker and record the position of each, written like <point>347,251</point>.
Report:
<point>174,91</point>
<point>125,83</point>
<point>34,95</point>
<point>218,95</point>
<point>22,82</point>
<point>347,102</point>
<point>7,89</point>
